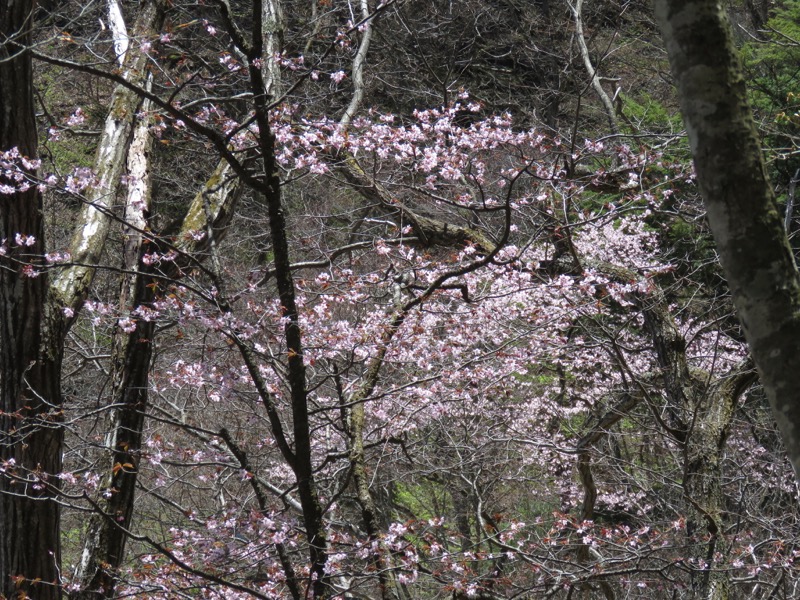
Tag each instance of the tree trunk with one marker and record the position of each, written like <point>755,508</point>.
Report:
<point>210,212</point>
<point>702,487</point>
<point>744,218</point>
<point>354,426</point>
<point>301,462</point>
<point>30,398</point>
<point>106,535</point>
<point>608,105</point>
<point>702,410</point>
<point>88,240</point>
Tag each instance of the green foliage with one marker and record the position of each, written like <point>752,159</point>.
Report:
<point>535,374</point>
<point>425,499</point>
<point>772,67</point>
<point>59,101</point>
<point>594,202</point>
<point>646,113</point>
<point>71,152</point>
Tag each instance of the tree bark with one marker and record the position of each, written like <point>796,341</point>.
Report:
<point>608,105</point>
<point>72,284</point>
<point>301,462</point>
<point>273,28</point>
<point>430,231</point>
<point>354,418</point>
<point>742,212</point>
<point>30,395</point>
<point>106,536</point>
<point>209,213</point>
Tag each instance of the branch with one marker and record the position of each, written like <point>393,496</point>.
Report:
<point>358,67</point>
<point>583,448</point>
<point>587,61</point>
<point>283,555</point>
<point>430,231</point>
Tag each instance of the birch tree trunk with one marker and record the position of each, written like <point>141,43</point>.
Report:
<point>104,545</point>
<point>72,283</point>
<point>608,105</point>
<point>131,360</point>
<point>212,208</point>
<point>273,28</point>
<point>744,218</point>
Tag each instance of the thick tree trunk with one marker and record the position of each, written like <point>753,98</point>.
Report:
<point>698,415</point>
<point>744,218</point>
<point>702,486</point>
<point>30,399</point>
<point>702,410</point>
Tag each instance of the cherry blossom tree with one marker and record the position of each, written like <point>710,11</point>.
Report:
<point>363,353</point>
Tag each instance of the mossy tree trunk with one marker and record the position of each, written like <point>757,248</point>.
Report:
<point>742,212</point>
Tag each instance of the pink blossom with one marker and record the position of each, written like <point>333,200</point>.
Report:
<point>230,63</point>
<point>81,179</point>
<point>127,325</point>
<point>24,240</point>
<point>57,257</point>
<point>30,272</point>
<point>76,118</point>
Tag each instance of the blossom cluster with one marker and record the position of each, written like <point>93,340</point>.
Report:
<point>17,172</point>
